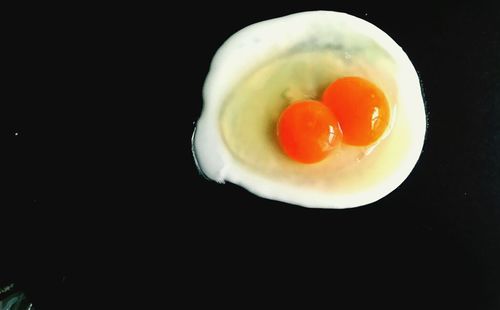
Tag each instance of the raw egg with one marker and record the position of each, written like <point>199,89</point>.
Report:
<point>318,109</point>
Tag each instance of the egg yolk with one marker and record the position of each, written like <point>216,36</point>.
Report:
<point>307,131</point>
<point>360,107</point>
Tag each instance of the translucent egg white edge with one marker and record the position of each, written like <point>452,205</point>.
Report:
<point>237,56</point>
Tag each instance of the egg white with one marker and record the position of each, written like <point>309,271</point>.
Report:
<point>263,41</point>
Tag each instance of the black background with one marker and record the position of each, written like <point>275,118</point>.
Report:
<point>104,205</point>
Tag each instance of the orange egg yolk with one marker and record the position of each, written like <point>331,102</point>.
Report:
<point>307,131</point>
<point>360,107</point>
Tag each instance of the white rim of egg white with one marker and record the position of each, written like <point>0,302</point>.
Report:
<point>259,42</point>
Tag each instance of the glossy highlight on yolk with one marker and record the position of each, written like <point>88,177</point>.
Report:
<point>360,107</point>
<point>307,131</point>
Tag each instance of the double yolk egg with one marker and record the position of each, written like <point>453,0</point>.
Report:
<point>317,109</point>
<point>352,110</point>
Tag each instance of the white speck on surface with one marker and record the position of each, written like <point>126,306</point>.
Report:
<point>16,133</point>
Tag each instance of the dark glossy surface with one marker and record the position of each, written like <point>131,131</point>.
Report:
<point>98,211</point>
